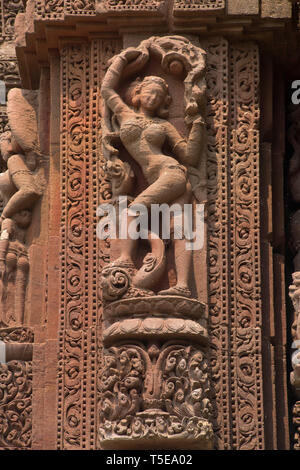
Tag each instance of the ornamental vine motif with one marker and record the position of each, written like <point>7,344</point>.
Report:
<point>15,405</point>
<point>245,307</point>
<point>168,385</point>
<point>217,196</point>
<point>73,244</point>
<point>195,5</point>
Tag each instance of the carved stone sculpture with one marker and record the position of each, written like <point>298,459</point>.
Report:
<point>154,384</point>
<point>16,388</point>
<point>140,123</point>
<point>19,189</point>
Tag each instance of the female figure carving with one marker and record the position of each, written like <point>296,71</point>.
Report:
<point>18,188</point>
<point>19,192</point>
<point>144,131</point>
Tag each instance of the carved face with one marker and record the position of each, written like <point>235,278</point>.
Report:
<point>9,146</point>
<point>152,96</point>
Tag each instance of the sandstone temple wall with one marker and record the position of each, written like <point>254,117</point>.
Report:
<point>94,352</point>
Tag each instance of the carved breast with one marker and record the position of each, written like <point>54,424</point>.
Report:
<point>143,130</point>
<point>155,135</point>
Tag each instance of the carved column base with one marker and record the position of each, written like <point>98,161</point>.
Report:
<point>164,317</point>
<point>154,384</point>
<point>155,429</point>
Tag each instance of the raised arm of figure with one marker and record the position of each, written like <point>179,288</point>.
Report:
<point>130,59</point>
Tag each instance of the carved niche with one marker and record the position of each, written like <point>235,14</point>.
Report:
<point>154,381</point>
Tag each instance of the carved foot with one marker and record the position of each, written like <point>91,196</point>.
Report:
<point>177,290</point>
<point>123,263</point>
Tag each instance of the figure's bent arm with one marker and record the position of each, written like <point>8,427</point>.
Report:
<point>189,152</point>
<point>177,142</point>
<point>110,83</point>
<point>23,179</point>
<point>196,142</point>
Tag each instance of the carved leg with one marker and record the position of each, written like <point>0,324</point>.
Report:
<point>21,282</point>
<point>9,296</point>
<point>183,257</point>
<point>128,247</point>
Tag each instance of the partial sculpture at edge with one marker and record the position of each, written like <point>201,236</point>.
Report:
<point>19,190</point>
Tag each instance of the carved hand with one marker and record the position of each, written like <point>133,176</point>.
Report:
<point>199,122</point>
<point>136,60</point>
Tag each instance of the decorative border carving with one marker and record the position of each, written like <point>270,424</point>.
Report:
<point>121,6</point>
<point>296,423</point>
<point>49,9</point>
<point>80,7</point>
<point>9,71</point>
<point>196,5</point>
<point>9,10</point>
<point>245,308</point>
<point>77,398</point>
<point>16,335</point>
<point>74,63</point>
<point>15,405</point>
<point>102,51</point>
<point>4,126</point>
<point>218,214</point>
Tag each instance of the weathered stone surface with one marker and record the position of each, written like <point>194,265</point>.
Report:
<point>243,7</point>
<point>24,103</point>
<point>124,358</point>
<point>277,9</point>
<point>19,189</point>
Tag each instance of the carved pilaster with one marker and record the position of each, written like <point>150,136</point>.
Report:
<point>218,233</point>
<point>82,71</point>
<point>245,306</point>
